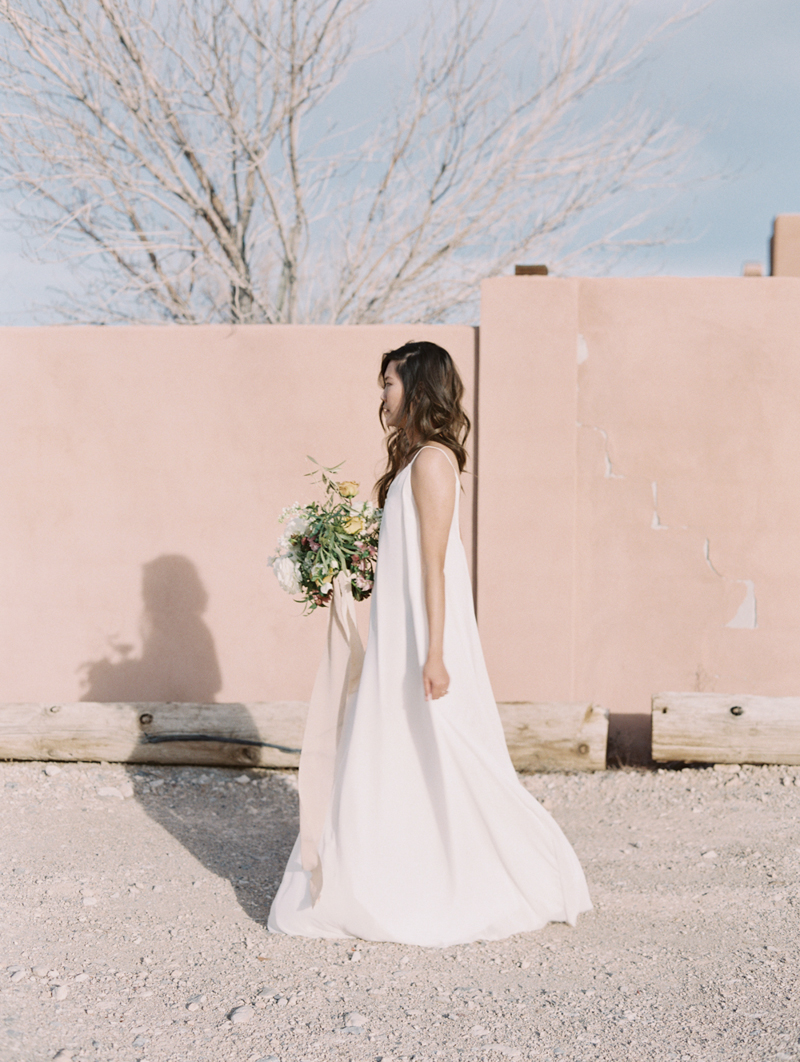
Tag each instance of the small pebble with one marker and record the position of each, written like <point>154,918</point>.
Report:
<point>710,854</point>
<point>243,779</point>
<point>126,789</point>
<point>51,770</point>
<point>110,791</point>
<point>39,971</point>
<point>240,1014</point>
<point>63,1055</point>
<point>60,993</point>
<point>19,975</point>
<point>354,1019</point>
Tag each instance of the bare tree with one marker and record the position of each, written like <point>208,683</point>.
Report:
<point>179,154</point>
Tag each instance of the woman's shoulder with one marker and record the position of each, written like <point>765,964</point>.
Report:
<point>427,463</point>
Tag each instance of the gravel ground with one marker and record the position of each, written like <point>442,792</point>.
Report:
<point>134,903</point>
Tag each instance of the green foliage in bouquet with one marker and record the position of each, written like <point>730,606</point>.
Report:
<point>323,539</point>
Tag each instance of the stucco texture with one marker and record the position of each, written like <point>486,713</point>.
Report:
<point>639,505</point>
<point>638,501</point>
<point>143,473</point>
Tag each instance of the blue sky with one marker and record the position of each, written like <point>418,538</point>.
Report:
<point>733,72</point>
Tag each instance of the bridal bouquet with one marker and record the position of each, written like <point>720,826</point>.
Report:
<point>322,540</point>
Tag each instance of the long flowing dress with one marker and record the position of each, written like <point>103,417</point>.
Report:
<point>430,838</point>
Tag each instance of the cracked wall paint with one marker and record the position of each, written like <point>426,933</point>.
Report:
<point>655,523</point>
<point>746,618</point>
<point>609,468</point>
<point>583,350</point>
<point>707,555</point>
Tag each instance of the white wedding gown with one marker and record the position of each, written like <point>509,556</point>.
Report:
<point>430,837</point>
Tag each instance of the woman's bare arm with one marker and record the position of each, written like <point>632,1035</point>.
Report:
<point>434,488</point>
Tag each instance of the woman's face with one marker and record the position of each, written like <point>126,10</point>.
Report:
<point>392,396</point>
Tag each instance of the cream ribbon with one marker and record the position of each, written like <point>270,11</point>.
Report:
<point>337,680</point>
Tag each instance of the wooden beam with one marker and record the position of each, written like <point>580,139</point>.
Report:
<point>555,737</point>
<point>243,735</point>
<point>263,734</point>
<point>725,728</point>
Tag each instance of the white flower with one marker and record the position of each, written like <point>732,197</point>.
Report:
<point>324,572</point>
<point>289,512</point>
<point>298,525</point>
<point>287,548</point>
<point>287,573</point>
<point>325,588</point>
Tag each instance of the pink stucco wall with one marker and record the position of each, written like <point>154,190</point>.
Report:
<point>639,502</point>
<point>638,494</point>
<point>143,471</point>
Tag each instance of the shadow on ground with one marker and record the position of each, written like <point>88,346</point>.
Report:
<point>242,832</point>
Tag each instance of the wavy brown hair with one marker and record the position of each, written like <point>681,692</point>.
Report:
<point>432,410</point>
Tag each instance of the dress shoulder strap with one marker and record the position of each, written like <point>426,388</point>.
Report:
<point>427,446</point>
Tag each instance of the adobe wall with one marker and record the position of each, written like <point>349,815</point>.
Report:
<point>143,472</point>
<point>639,501</point>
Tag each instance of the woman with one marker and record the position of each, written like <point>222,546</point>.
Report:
<point>430,838</point>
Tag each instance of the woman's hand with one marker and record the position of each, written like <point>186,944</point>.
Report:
<point>435,678</point>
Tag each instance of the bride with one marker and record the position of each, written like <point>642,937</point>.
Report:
<point>429,837</point>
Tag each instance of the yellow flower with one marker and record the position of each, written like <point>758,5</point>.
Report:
<point>348,489</point>
<point>353,525</point>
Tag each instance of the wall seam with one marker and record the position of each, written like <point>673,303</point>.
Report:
<point>573,618</point>
<point>476,375</point>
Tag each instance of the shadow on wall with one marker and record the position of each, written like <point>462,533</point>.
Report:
<point>242,833</point>
<point>178,662</point>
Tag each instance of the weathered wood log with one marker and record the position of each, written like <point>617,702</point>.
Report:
<point>555,737</point>
<point>269,734</point>
<point>725,728</point>
<point>246,735</point>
